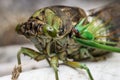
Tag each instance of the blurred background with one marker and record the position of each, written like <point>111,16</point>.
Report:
<point>13,12</point>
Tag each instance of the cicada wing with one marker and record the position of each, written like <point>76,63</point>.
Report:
<point>110,11</point>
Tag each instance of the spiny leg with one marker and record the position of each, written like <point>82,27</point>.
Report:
<point>31,53</point>
<point>78,65</point>
<point>54,64</point>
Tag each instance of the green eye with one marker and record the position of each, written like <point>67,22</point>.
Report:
<point>49,30</point>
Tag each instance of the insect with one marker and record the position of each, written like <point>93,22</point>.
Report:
<point>64,33</point>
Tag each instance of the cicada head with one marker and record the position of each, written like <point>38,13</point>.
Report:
<point>42,22</point>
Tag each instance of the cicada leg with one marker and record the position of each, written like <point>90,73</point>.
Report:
<point>85,52</point>
<point>78,65</point>
<point>54,64</point>
<point>31,53</point>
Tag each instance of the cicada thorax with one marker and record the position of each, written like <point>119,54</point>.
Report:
<point>74,14</point>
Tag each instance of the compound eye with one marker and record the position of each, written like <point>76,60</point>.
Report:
<point>49,30</point>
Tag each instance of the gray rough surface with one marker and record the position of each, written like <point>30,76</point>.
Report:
<point>108,69</point>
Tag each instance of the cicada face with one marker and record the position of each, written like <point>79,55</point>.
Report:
<point>30,28</point>
<point>42,22</point>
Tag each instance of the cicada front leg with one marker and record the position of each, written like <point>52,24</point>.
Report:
<point>54,65</point>
<point>81,66</point>
<point>31,53</point>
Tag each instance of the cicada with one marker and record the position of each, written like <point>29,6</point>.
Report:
<point>65,33</point>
